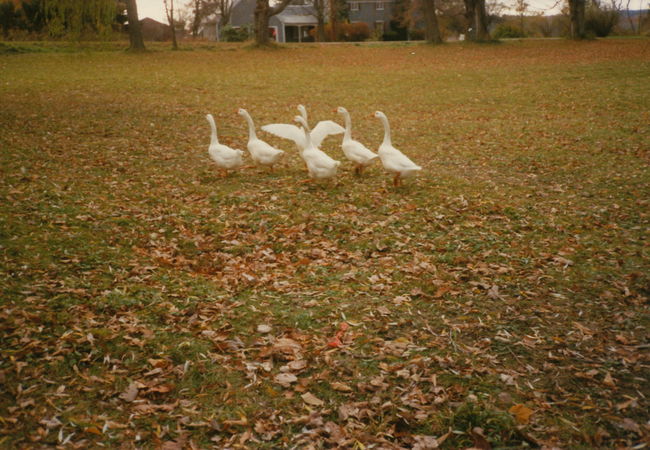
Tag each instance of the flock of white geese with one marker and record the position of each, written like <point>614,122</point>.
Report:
<point>319,164</point>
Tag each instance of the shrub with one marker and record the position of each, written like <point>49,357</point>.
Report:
<point>8,17</point>
<point>418,35</point>
<point>349,32</point>
<point>508,31</point>
<point>600,21</point>
<point>391,35</point>
<point>355,32</point>
<point>231,34</point>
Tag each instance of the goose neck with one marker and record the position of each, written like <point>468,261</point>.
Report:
<point>306,130</point>
<point>303,112</point>
<point>213,127</point>
<point>251,127</point>
<point>348,127</point>
<point>387,140</point>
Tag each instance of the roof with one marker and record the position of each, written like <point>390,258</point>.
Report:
<point>297,15</point>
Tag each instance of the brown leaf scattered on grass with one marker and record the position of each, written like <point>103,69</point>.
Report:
<point>130,393</point>
<point>311,399</point>
<point>521,412</point>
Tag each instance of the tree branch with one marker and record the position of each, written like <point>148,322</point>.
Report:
<point>277,9</point>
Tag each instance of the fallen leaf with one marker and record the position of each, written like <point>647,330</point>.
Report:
<point>521,412</point>
<point>130,393</point>
<point>442,290</point>
<point>608,380</point>
<point>630,425</point>
<point>93,430</point>
<point>297,364</point>
<point>311,399</point>
<point>480,441</point>
<point>285,379</point>
<point>341,387</point>
<point>425,442</point>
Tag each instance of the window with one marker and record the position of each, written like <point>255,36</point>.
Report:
<point>354,6</point>
<point>379,6</point>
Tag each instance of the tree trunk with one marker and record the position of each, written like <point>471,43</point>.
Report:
<point>172,24</point>
<point>577,16</point>
<point>319,7</point>
<point>432,32</point>
<point>261,21</point>
<point>476,20</point>
<point>263,12</point>
<point>198,16</point>
<point>136,42</point>
<point>320,29</point>
<point>334,20</point>
<point>480,21</point>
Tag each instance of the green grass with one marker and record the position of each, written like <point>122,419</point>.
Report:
<point>516,263</point>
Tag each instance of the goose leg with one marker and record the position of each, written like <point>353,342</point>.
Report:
<point>396,180</point>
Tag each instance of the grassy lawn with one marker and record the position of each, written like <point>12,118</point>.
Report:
<point>498,299</point>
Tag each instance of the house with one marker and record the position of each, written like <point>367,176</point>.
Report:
<point>293,24</point>
<point>296,22</point>
<point>376,13</point>
<point>209,27</point>
<point>152,30</point>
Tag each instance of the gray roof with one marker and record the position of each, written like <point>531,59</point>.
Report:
<point>297,15</point>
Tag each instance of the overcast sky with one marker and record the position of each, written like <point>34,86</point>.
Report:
<point>156,9</point>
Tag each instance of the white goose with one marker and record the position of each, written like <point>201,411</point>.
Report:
<point>226,158</point>
<point>288,131</point>
<point>355,151</point>
<point>393,160</point>
<point>319,164</point>
<point>261,152</point>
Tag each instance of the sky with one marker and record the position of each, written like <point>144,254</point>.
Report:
<point>155,9</point>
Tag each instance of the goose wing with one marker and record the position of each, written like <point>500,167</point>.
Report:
<point>397,161</point>
<point>324,129</point>
<point>286,131</point>
<point>357,152</point>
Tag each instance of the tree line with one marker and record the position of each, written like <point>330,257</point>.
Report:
<point>58,18</point>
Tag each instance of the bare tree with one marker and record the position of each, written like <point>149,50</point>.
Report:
<point>635,30</point>
<point>431,31</point>
<point>136,43</point>
<point>543,25</point>
<point>319,9</point>
<point>224,9</point>
<point>494,10</point>
<point>169,11</point>
<point>476,20</point>
<point>334,19</point>
<point>197,16</point>
<point>521,6</point>
<point>577,19</point>
<point>451,13</point>
<point>263,12</point>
